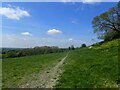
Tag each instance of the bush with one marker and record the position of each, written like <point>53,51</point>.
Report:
<point>111,35</point>
<point>83,45</point>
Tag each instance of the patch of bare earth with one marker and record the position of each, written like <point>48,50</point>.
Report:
<point>46,78</point>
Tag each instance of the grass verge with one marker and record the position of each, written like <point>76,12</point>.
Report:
<point>90,68</point>
<point>15,69</point>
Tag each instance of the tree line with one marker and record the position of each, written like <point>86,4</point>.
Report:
<point>31,51</point>
<point>18,52</point>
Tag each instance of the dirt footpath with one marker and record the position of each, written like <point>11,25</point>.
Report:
<point>47,78</point>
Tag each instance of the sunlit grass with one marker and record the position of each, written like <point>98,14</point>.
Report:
<point>90,68</point>
<point>15,69</point>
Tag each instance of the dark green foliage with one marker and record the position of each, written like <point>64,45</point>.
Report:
<point>83,45</point>
<point>31,51</point>
<point>72,47</point>
<point>68,48</point>
<point>11,53</point>
<point>111,35</point>
<point>98,43</point>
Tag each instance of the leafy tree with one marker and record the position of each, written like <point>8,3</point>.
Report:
<point>83,45</point>
<point>68,48</point>
<point>72,47</point>
<point>31,51</point>
<point>108,23</point>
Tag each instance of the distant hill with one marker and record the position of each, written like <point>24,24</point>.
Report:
<point>6,49</point>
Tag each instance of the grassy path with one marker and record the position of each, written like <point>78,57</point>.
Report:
<point>22,71</point>
<point>90,68</point>
<point>47,78</point>
<point>0,74</point>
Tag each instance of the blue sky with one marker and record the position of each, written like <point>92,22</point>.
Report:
<point>53,24</point>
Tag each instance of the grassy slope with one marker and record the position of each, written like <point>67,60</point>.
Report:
<point>0,74</point>
<point>91,68</point>
<point>15,69</point>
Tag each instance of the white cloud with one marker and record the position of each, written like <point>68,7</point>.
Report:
<point>13,13</point>
<point>85,1</point>
<point>74,21</point>
<point>14,40</point>
<point>54,32</point>
<point>91,1</point>
<point>70,39</point>
<point>66,0</point>
<point>54,0</point>
<point>25,34</point>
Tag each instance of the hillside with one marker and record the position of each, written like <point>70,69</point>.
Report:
<point>95,67</point>
<point>106,45</point>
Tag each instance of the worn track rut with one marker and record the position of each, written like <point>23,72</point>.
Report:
<point>46,78</point>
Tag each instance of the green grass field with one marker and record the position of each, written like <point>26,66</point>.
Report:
<point>83,68</point>
<point>14,70</point>
<point>0,74</point>
<point>91,68</point>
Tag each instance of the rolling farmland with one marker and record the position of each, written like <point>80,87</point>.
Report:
<point>95,67</point>
<point>91,68</point>
<point>17,71</point>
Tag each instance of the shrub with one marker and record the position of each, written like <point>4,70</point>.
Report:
<point>83,45</point>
